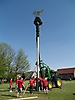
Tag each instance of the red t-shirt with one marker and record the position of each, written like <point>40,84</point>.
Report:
<point>34,80</point>
<point>31,82</point>
<point>45,82</point>
<point>16,81</point>
<point>19,83</point>
<point>41,80</point>
<point>22,81</point>
<point>10,82</point>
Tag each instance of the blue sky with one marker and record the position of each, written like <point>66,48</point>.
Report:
<point>57,34</point>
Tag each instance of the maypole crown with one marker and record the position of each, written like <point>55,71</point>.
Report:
<point>37,13</point>
<point>37,20</point>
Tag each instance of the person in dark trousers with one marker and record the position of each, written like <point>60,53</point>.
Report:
<point>40,83</point>
<point>16,83</point>
<point>20,84</point>
<point>31,82</point>
<point>23,87</point>
<point>10,83</point>
<point>45,85</point>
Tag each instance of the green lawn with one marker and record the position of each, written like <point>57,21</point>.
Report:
<point>66,93</point>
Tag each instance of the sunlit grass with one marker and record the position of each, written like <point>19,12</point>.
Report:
<point>66,93</point>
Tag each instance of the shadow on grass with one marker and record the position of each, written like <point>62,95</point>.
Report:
<point>40,92</point>
<point>4,90</point>
<point>74,93</point>
<point>8,95</point>
<point>34,92</point>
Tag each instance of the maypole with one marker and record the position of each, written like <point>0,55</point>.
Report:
<point>37,22</point>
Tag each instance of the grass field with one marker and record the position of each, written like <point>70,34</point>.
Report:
<point>66,93</point>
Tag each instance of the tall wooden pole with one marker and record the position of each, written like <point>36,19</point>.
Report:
<point>37,48</point>
<point>37,22</point>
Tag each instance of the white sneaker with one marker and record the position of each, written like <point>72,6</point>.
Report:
<point>17,95</point>
<point>10,90</point>
<point>20,96</point>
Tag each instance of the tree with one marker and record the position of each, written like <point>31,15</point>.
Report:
<point>21,62</point>
<point>6,59</point>
<point>11,63</point>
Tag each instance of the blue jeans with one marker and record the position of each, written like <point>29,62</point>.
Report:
<point>20,90</point>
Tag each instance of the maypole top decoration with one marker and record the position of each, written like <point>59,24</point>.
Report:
<point>37,13</point>
<point>37,20</point>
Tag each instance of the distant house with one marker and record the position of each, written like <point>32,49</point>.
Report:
<point>30,74</point>
<point>67,73</point>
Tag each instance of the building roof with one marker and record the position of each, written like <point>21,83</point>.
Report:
<point>66,70</point>
<point>30,74</point>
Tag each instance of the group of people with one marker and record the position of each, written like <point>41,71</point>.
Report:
<point>43,85</point>
<point>19,85</point>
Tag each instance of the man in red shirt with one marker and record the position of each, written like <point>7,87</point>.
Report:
<point>20,83</point>
<point>31,82</point>
<point>16,83</point>
<point>23,87</point>
<point>40,83</point>
<point>10,83</point>
<point>45,85</point>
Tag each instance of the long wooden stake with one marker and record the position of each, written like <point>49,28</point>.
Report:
<point>25,98</point>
